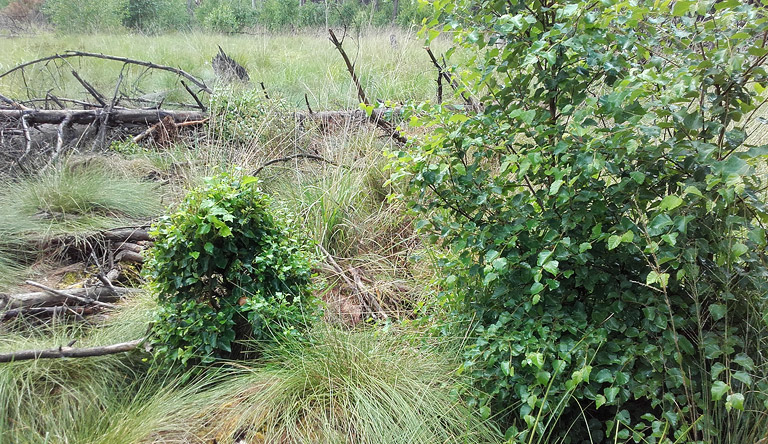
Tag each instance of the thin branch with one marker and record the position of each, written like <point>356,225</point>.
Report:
<point>381,123</point>
<point>291,157</point>
<point>194,96</point>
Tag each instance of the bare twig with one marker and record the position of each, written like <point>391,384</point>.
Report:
<point>60,138</point>
<point>101,139</point>
<point>309,108</point>
<point>377,120</point>
<point>264,88</point>
<point>27,137</point>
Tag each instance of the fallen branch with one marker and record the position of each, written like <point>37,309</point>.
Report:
<point>69,352</point>
<point>91,90</point>
<point>46,311</point>
<point>85,300</point>
<point>45,298</point>
<point>69,54</point>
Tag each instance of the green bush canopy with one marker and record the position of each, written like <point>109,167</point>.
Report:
<point>603,216</point>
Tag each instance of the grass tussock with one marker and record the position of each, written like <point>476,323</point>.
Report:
<point>74,400</point>
<point>347,387</point>
<point>75,198</point>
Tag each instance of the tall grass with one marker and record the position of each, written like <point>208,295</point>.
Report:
<point>69,400</point>
<point>347,387</point>
<point>289,65</point>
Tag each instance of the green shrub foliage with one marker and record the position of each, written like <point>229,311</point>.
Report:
<point>225,268</point>
<point>602,215</point>
<point>86,15</point>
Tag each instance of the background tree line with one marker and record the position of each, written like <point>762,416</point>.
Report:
<point>227,16</point>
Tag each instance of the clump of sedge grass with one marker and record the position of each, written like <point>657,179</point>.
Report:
<point>369,387</point>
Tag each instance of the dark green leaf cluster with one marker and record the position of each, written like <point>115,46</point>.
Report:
<point>226,268</point>
<point>603,215</point>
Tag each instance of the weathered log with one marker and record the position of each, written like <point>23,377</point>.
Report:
<point>130,234</point>
<point>69,352</point>
<point>46,299</point>
<point>129,256</point>
<point>118,116</point>
<point>46,312</point>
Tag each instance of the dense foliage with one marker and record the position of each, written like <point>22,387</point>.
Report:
<point>603,215</point>
<point>225,268</point>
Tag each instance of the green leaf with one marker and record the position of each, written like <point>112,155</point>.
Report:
<point>735,401</point>
<point>719,389</point>
<point>738,249</point>
<point>614,242</point>
<point>604,375</point>
<point>536,288</point>
<point>555,187</point>
<point>551,267</point>
<point>670,203</point>
<point>681,7</point>
<point>599,401</point>
<point>536,359</point>
<point>718,311</point>
<point>637,177</point>
<point>506,369</point>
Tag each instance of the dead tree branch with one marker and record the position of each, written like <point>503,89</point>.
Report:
<point>84,300</point>
<point>69,54</point>
<point>381,123</point>
<point>69,352</point>
<point>91,90</point>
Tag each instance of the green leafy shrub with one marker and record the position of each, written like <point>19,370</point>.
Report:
<point>157,15</point>
<point>281,14</point>
<point>225,267</point>
<point>225,16</point>
<point>86,15</point>
<point>603,215</point>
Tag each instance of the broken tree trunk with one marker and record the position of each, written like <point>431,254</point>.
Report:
<point>69,352</point>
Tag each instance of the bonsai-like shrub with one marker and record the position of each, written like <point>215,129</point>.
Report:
<point>226,268</point>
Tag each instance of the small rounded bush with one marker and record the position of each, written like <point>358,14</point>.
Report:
<point>226,268</point>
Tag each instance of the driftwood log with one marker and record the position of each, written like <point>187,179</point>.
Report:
<point>69,352</point>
